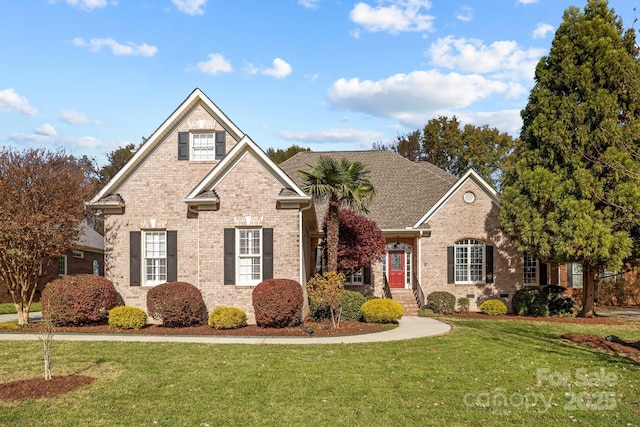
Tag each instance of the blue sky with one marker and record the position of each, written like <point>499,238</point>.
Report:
<point>90,76</point>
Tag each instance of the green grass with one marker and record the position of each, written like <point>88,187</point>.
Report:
<point>9,308</point>
<point>430,381</point>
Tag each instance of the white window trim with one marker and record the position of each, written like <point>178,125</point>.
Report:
<point>210,149</point>
<point>63,258</point>
<point>143,266</point>
<point>348,278</point>
<point>537,267</point>
<point>240,257</point>
<point>468,245</point>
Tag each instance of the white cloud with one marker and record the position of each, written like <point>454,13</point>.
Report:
<point>190,7</point>
<point>215,64</point>
<point>465,14</point>
<point>542,30</point>
<point>62,142</point>
<point>394,16</point>
<point>118,49</point>
<point>505,59</point>
<point>11,101</point>
<point>508,121</point>
<point>75,118</point>
<point>527,1</point>
<point>331,136</point>
<point>413,98</point>
<point>87,5</point>
<point>309,4</point>
<point>280,69</point>
<point>46,130</point>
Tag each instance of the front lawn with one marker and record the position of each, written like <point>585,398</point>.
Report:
<point>484,372</point>
<point>10,308</point>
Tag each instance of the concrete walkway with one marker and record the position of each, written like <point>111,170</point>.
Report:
<point>410,327</point>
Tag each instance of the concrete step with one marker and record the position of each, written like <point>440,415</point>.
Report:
<point>407,300</point>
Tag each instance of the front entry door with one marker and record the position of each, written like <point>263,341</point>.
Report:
<point>396,265</point>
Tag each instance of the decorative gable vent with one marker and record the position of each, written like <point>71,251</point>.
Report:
<point>248,221</point>
<point>201,124</point>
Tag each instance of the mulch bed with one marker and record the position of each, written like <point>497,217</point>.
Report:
<point>320,329</point>
<point>621,348</point>
<point>38,388</point>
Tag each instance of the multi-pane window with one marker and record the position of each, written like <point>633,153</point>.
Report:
<point>62,266</point>
<point>249,256</point>
<point>575,275</point>
<point>155,257</point>
<point>354,278</point>
<point>203,146</point>
<point>530,270</point>
<point>469,261</point>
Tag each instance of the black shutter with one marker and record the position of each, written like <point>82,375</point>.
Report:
<point>134,258</point>
<point>183,145</point>
<point>366,273</point>
<point>221,141</point>
<point>489,264</point>
<point>172,256</point>
<point>451,268</point>
<point>543,275</point>
<point>229,256</point>
<point>267,253</point>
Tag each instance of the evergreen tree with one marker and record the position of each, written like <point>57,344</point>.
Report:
<point>572,193</point>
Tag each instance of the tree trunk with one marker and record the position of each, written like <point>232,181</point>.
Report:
<point>23,313</point>
<point>333,228</point>
<point>588,291</point>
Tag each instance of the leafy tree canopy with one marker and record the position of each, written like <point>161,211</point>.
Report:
<point>280,155</point>
<point>42,198</point>
<point>573,192</point>
<point>455,148</point>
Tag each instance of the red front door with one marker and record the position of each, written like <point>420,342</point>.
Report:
<point>396,263</point>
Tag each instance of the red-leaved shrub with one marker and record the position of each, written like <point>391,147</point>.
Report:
<point>176,304</point>
<point>80,299</point>
<point>277,303</point>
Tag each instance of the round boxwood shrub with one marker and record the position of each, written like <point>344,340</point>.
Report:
<point>176,304</point>
<point>463,305</point>
<point>441,302</point>
<point>382,310</point>
<point>559,304</point>
<point>124,317</point>
<point>81,299</point>
<point>277,303</point>
<point>493,307</point>
<point>227,318</point>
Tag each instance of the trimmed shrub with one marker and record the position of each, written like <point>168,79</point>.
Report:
<point>441,302</point>
<point>277,303</point>
<point>350,303</point>
<point>382,310</point>
<point>530,302</point>
<point>227,318</point>
<point>81,299</point>
<point>425,312</point>
<point>327,289</point>
<point>559,304</point>
<point>124,317</point>
<point>176,304</point>
<point>493,307</point>
<point>463,305</point>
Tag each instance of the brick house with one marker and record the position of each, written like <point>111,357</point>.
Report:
<point>200,202</point>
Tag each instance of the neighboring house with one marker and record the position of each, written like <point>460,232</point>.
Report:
<point>200,202</point>
<point>85,257</point>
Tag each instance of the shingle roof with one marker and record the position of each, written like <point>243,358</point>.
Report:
<point>405,190</point>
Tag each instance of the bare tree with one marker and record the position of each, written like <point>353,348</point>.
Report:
<point>41,205</point>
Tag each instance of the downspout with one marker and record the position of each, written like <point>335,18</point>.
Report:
<point>305,304</point>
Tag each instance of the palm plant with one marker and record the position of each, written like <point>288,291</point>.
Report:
<point>344,184</point>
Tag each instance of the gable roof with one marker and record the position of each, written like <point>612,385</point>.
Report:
<point>195,98</point>
<point>470,175</point>
<point>405,190</point>
<point>291,191</point>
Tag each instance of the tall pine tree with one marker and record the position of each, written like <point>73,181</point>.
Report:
<point>572,193</point>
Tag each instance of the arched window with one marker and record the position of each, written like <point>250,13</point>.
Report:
<point>469,261</point>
